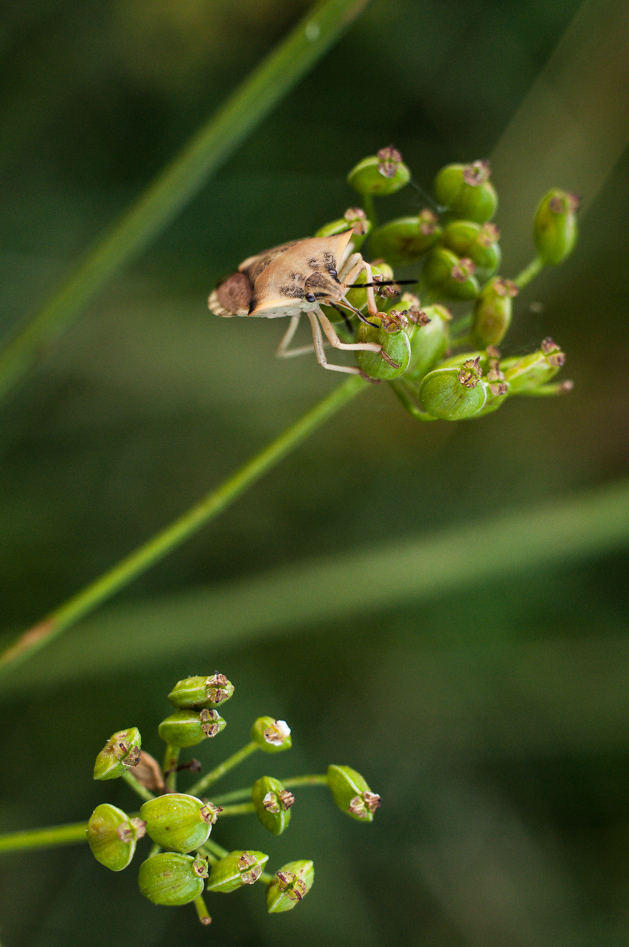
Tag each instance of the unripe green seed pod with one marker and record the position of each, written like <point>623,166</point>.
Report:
<point>555,226</point>
<point>405,239</point>
<point>271,735</point>
<point>172,879</point>
<point>429,342</point>
<point>497,387</point>
<point>189,727</point>
<point>235,870</point>
<point>178,822</point>
<point>393,360</point>
<point>290,885</point>
<point>199,692</point>
<point>532,371</point>
<point>449,276</point>
<point>351,793</point>
<point>354,217</point>
<point>379,271</point>
<point>384,173</point>
<point>121,750</point>
<point>492,312</point>
<point>477,242</point>
<point>273,804</point>
<point>452,394</point>
<point>112,836</point>
<point>466,191</point>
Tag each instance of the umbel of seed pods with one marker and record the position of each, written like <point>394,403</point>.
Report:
<point>444,367</point>
<point>181,864</point>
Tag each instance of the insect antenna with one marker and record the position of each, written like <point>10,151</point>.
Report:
<point>350,327</point>
<point>358,313</point>
<point>384,282</point>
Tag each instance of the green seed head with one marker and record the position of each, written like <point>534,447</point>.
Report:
<point>121,750</point>
<point>235,870</point>
<point>429,341</point>
<point>405,239</point>
<point>492,312</point>
<point>290,885</point>
<point>351,793</point>
<point>449,276</point>
<point>532,371</point>
<point>178,822</point>
<point>273,804</point>
<point>199,692</point>
<point>388,332</point>
<point>272,736</point>
<point>384,173</point>
<point>189,727</point>
<point>478,242</point>
<point>379,271</point>
<point>555,226</point>
<point>466,191</point>
<point>453,394</point>
<point>354,217</point>
<point>172,879</point>
<point>112,836</point>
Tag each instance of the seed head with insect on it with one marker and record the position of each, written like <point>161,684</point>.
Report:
<point>301,277</point>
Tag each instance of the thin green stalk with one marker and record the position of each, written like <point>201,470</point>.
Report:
<point>181,529</point>
<point>137,787</point>
<point>201,785</point>
<point>528,273</point>
<point>202,911</point>
<point>369,208</point>
<point>51,837</point>
<point>315,779</point>
<point>162,200</point>
<point>171,759</point>
<point>214,849</point>
<point>243,809</point>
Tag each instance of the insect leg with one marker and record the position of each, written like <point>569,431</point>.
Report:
<point>283,350</point>
<point>334,340</point>
<point>350,273</point>
<point>318,345</point>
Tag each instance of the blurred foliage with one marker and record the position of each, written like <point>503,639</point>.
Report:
<point>493,721</point>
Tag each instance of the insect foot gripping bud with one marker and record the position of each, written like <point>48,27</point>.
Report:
<point>447,275</point>
<point>290,885</point>
<point>453,394</point>
<point>354,217</point>
<point>271,735</point>
<point>178,822</point>
<point>492,312</point>
<point>235,870</point>
<point>199,692</point>
<point>429,341</point>
<point>172,879</point>
<point>273,804</point>
<point>189,727</point>
<point>466,191</point>
<point>351,793</point>
<point>555,226</point>
<point>121,750</point>
<point>394,356</point>
<point>525,375</point>
<point>405,239</point>
<point>381,174</point>
<point>112,836</point>
<point>477,242</point>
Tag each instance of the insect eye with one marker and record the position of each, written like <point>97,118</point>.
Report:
<point>310,297</point>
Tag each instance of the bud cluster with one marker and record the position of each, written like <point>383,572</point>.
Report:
<point>453,252</point>
<point>184,861</point>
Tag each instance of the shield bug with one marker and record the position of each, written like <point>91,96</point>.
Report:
<point>301,277</point>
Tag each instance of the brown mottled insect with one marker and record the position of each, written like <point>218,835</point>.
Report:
<point>301,277</point>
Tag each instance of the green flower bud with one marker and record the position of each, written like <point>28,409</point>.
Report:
<point>290,885</point>
<point>445,274</point>
<point>477,242</point>
<point>466,191</point>
<point>273,804</point>
<point>354,217</point>
<point>179,822</point>
<point>555,226</point>
<point>199,692</point>
<point>395,355</point>
<point>405,239</point>
<point>532,371</point>
<point>384,173</point>
<point>235,870</point>
<point>429,341</point>
<point>121,750</point>
<point>271,735</point>
<point>351,793</point>
<point>492,312</point>
<point>172,879</point>
<point>379,271</point>
<point>452,394</point>
<point>189,727</point>
<point>112,836</point>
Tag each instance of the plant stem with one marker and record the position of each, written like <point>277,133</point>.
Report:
<point>181,529</point>
<point>202,911</point>
<point>243,809</point>
<point>51,837</point>
<point>369,208</point>
<point>528,273</point>
<point>137,787</point>
<point>201,785</point>
<point>315,779</point>
<point>214,848</point>
<point>162,200</point>
<point>171,759</point>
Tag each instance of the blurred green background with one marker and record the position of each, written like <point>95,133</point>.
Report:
<point>493,718</point>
